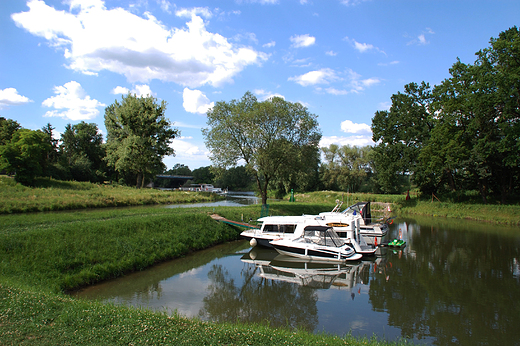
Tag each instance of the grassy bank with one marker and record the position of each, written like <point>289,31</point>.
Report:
<point>54,195</point>
<point>31,317</point>
<point>492,213</point>
<point>44,254</point>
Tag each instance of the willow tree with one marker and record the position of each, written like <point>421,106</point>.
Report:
<point>138,136</point>
<point>272,138</point>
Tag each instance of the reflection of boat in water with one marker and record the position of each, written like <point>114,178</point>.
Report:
<point>273,266</point>
<point>317,243</point>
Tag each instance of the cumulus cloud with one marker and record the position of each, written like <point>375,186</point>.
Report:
<point>299,41</point>
<point>323,76</point>
<point>72,102</point>
<point>194,101</point>
<point>139,47</point>
<point>120,90</point>
<point>350,127</point>
<point>11,97</point>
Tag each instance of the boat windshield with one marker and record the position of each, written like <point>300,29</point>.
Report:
<point>324,238</point>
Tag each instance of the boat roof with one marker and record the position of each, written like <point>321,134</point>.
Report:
<point>286,219</point>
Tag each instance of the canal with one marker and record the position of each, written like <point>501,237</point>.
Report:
<point>456,282</point>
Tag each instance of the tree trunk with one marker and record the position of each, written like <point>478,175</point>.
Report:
<point>138,183</point>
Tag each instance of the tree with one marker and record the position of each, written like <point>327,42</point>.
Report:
<point>138,136</point>
<point>179,169</point>
<point>477,142</point>
<point>25,155</point>
<point>7,129</point>
<point>82,150</point>
<point>236,179</point>
<point>269,137</point>
<point>400,134</point>
<point>346,168</point>
<point>203,175</point>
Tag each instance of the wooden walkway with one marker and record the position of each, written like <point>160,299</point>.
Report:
<point>219,218</point>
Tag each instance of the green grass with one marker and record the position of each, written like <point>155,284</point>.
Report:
<point>42,255</point>
<point>55,195</point>
<point>32,317</point>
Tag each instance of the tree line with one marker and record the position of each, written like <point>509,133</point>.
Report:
<point>459,137</point>
<point>138,138</point>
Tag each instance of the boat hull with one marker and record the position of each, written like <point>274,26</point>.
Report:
<point>315,254</point>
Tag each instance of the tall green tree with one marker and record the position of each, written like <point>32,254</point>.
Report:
<point>82,152</point>
<point>25,155</point>
<point>270,137</point>
<point>138,136</point>
<point>400,133</point>
<point>477,142</point>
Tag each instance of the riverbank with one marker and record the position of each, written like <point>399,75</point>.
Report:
<point>42,255</point>
<point>492,213</point>
<point>55,195</point>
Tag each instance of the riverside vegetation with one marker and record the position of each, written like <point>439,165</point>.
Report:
<point>44,255</point>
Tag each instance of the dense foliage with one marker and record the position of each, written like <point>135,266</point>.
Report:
<point>276,139</point>
<point>138,137</point>
<point>462,135</point>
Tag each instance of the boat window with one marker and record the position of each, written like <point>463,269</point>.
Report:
<point>276,228</point>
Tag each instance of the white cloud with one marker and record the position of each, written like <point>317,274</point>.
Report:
<point>10,97</point>
<point>120,90</point>
<point>331,53</point>
<point>188,13</point>
<point>194,101</point>
<point>363,47</point>
<point>138,90</point>
<point>185,149</point>
<point>351,127</point>
<point>299,41</point>
<point>323,76</point>
<point>72,102</point>
<point>359,141</point>
<point>270,44</point>
<point>352,2</point>
<point>139,47</point>
<point>265,95</point>
<point>421,39</point>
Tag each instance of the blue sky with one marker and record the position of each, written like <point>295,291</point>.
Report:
<point>63,62</point>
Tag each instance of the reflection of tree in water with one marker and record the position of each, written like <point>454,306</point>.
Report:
<point>459,288</point>
<point>259,300</point>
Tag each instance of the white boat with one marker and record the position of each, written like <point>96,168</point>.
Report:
<point>317,244</point>
<point>347,226</point>
<point>343,221</point>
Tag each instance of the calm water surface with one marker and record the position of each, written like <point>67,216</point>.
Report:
<point>456,282</point>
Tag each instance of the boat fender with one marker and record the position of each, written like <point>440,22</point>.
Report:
<point>253,242</point>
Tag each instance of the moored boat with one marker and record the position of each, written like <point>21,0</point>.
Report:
<point>317,243</point>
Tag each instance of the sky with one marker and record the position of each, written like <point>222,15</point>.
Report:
<point>63,62</point>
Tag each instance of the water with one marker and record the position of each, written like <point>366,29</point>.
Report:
<point>456,282</point>
<point>233,199</point>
